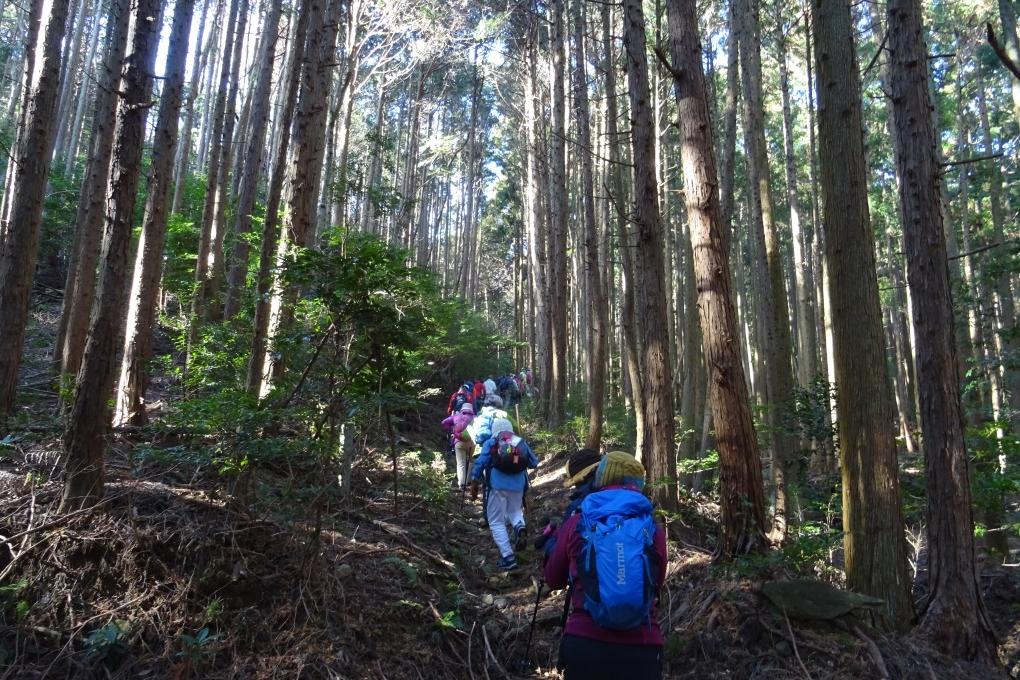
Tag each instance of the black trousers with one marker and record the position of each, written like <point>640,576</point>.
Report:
<point>587,659</point>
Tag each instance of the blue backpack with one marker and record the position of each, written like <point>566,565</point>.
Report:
<point>483,424</point>
<point>618,559</point>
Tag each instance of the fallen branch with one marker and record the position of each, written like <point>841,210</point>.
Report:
<point>415,548</point>
<point>488,651</point>
<point>874,651</point>
<point>793,641</point>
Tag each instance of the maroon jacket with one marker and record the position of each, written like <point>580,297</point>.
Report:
<point>563,563</point>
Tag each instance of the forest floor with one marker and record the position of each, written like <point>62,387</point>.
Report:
<point>182,572</point>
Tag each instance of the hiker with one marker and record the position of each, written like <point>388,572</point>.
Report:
<point>477,392</point>
<point>490,387</point>
<point>507,390</point>
<point>458,399</point>
<point>581,477</point>
<point>481,428</point>
<point>463,446</point>
<point>503,466</point>
<point>611,631</point>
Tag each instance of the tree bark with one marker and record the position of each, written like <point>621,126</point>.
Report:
<point>304,165</point>
<point>210,204</point>
<point>802,305</point>
<point>873,534</point>
<point>558,214</point>
<point>598,315</point>
<point>26,192</point>
<point>89,420</point>
<point>209,295</point>
<point>537,242</point>
<point>742,506</point>
<point>657,379</point>
<point>270,228</point>
<point>141,318</point>
<point>775,323</point>
<point>84,97</point>
<point>252,162</point>
<point>80,285</point>
<point>954,617</point>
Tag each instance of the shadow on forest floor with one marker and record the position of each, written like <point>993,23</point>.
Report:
<point>175,576</point>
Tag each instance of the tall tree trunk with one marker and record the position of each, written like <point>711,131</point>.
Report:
<point>84,97</point>
<point>558,214</point>
<point>252,162</point>
<point>954,617</point>
<point>805,320</point>
<point>1005,303</point>
<point>80,285</point>
<point>617,196</point>
<point>26,192</point>
<point>270,228</point>
<point>729,139</point>
<point>210,204</point>
<point>141,318</point>
<point>20,99</point>
<point>657,378</point>
<point>89,421</point>
<point>742,524</point>
<point>209,295</point>
<point>537,242</point>
<point>305,162</point>
<point>198,66</point>
<point>598,316</point>
<point>775,322</point>
<point>69,81</point>
<point>873,533</point>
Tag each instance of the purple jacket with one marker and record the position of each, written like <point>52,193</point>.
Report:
<point>456,423</point>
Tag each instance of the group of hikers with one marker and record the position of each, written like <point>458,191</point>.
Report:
<point>606,551</point>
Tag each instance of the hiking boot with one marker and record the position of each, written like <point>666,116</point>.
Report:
<point>520,537</point>
<point>508,563</point>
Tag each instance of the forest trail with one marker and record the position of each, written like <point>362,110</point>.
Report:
<point>187,571</point>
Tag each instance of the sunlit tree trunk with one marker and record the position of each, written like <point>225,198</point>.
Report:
<point>657,378</point>
<point>742,523</point>
<point>252,162</point>
<point>209,291</point>
<point>89,421</point>
<point>558,214</point>
<point>308,138</point>
<point>85,97</point>
<point>802,305</point>
<point>26,193</point>
<point>873,533</point>
<point>595,301</point>
<point>264,282</point>
<point>617,195</point>
<point>199,64</point>
<point>777,346</point>
<point>80,285</point>
<point>207,235</point>
<point>69,81</point>
<point>141,318</point>
<point>953,617</point>
<point>537,242</point>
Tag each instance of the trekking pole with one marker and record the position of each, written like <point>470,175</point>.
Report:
<point>526,661</point>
